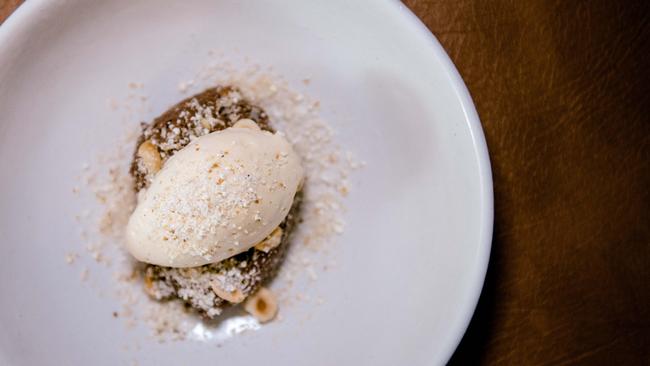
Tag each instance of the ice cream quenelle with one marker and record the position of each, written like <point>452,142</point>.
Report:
<point>219,196</point>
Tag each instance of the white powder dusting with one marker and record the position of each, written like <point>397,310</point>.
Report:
<point>293,114</point>
<point>327,165</point>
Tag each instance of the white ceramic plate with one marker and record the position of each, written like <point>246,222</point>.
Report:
<point>412,260</point>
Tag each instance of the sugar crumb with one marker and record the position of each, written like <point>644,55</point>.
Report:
<point>184,86</point>
<point>297,116</point>
<point>84,275</point>
<point>71,257</point>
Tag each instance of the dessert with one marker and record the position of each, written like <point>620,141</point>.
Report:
<point>218,196</point>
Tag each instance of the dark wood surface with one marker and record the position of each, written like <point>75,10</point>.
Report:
<point>563,92</point>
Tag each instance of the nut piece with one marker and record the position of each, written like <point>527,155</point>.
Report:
<point>271,241</point>
<point>148,282</point>
<point>263,305</point>
<point>246,123</point>
<point>235,296</point>
<point>205,123</point>
<point>149,156</point>
<point>301,184</point>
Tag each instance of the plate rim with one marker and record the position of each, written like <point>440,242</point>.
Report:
<point>27,12</point>
<point>485,173</point>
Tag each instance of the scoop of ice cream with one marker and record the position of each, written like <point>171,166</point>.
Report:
<point>217,197</point>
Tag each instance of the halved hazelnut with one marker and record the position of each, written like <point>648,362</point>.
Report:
<point>271,241</point>
<point>263,305</point>
<point>236,296</point>
<point>150,157</point>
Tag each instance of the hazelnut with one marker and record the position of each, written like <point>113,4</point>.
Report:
<point>205,123</point>
<point>236,296</point>
<point>271,241</point>
<point>263,305</point>
<point>247,123</point>
<point>148,282</point>
<point>149,156</point>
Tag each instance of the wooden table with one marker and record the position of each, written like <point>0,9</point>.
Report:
<point>563,91</point>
